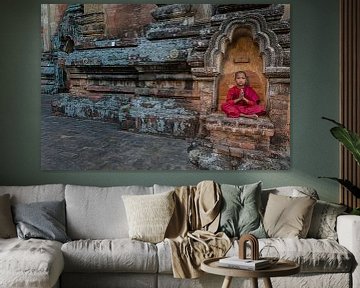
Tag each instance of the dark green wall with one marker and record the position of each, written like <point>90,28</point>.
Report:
<point>314,93</point>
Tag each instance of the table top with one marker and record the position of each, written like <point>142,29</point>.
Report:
<point>281,268</point>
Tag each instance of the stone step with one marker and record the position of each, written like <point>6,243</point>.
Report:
<point>148,115</point>
<point>160,116</point>
<point>239,136</point>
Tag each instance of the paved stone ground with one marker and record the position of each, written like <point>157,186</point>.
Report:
<point>78,144</point>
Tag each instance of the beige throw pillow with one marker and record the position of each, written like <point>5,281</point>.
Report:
<point>7,226</point>
<point>288,217</point>
<point>148,215</point>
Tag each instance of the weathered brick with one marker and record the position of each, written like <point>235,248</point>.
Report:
<point>221,149</point>
<point>236,152</point>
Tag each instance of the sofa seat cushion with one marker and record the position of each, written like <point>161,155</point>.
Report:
<point>30,263</point>
<point>110,255</point>
<point>164,257</point>
<point>313,255</point>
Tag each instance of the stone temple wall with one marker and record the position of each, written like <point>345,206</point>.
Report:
<point>156,69</point>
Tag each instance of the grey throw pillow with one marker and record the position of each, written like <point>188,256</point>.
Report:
<point>44,220</point>
<point>240,213</point>
<point>7,226</point>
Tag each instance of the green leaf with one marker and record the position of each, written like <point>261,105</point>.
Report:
<point>332,120</point>
<point>349,139</point>
<point>348,185</point>
<point>355,211</point>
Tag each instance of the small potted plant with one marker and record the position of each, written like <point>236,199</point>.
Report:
<point>351,141</point>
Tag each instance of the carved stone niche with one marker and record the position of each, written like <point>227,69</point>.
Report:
<point>270,54</point>
<point>242,54</point>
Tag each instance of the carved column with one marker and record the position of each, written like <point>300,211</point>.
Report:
<point>205,85</point>
<point>205,80</point>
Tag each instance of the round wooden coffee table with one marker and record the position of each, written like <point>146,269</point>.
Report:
<point>281,268</point>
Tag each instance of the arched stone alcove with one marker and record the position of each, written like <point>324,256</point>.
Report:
<point>251,30</point>
<point>242,54</point>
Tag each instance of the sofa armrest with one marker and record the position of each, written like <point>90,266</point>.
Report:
<point>348,229</point>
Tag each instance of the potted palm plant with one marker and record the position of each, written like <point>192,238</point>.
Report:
<point>351,142</point>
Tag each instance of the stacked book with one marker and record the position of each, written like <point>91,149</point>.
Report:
<point>236,262</point>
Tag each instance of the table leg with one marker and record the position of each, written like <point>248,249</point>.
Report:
<point>254,282</point>
<point>227,282</point>
<point>267,283</point>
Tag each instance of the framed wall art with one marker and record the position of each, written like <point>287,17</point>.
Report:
<point>165,86</point>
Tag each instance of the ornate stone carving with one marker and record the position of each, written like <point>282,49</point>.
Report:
<point>268,43</point>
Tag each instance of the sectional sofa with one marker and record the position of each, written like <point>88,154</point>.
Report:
<point>96,250</point>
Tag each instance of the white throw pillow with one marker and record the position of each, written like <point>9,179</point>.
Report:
<point>149,215</point>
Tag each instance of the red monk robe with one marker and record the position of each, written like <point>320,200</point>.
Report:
<point>235,110</point>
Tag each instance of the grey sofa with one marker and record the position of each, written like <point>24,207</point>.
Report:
<point>101,254</point>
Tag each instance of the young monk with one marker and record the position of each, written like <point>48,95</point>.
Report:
<point>242,100</point>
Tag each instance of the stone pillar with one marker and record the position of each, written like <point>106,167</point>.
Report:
<point>205,85</point>
<point>279,104</point>
<point>45,27</point>
<point>51,15</point>
<point>205,80</point>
